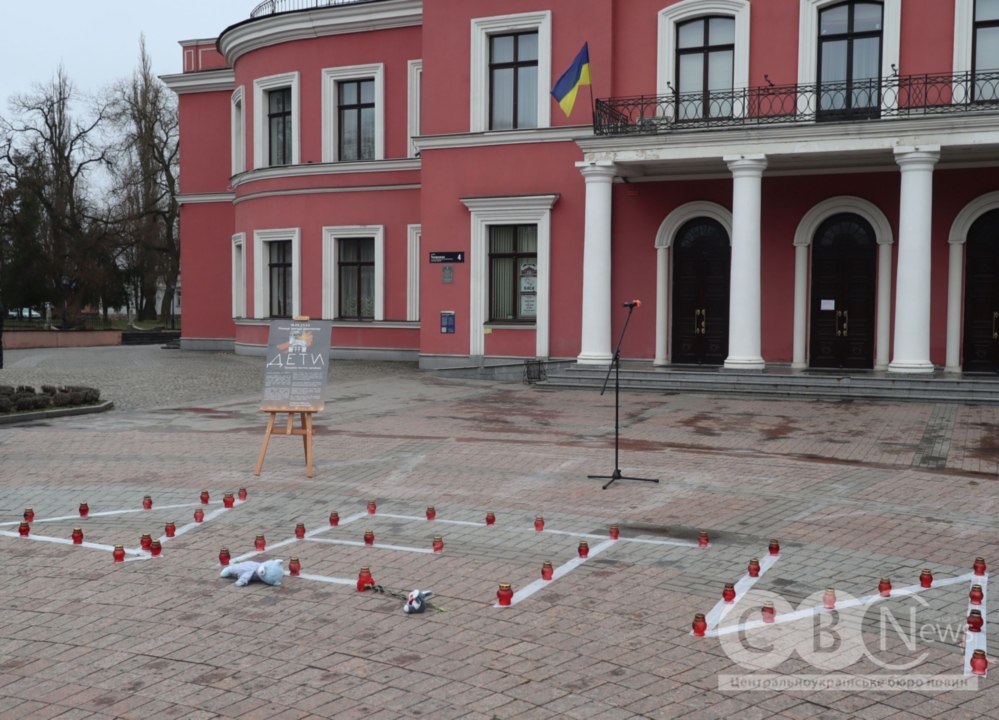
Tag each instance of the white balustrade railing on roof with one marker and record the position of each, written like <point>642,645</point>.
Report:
<point>272,7</point>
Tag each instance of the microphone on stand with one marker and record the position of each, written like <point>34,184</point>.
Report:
<point>632,304</point>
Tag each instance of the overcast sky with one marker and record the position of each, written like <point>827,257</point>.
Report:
<point>98,40</point>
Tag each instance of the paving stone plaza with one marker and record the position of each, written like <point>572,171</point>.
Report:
<point>853,491</point>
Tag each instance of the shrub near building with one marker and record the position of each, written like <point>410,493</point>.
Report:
<point>24,398</point>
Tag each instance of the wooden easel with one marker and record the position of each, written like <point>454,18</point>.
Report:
<point>305,431</point>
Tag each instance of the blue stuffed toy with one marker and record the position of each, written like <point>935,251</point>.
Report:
<point>269,572</point>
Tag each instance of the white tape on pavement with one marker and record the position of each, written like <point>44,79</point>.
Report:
<point>560,571</point>
<point>722,608</point>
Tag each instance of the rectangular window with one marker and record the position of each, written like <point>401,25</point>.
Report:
<point>238,133</point>
<point>513,81</point>
<point>238,277</point>
<point>279,126</point>
<point>985,56</point>
<point>356,265</point>
<point>513,273</point>
<point>705,67</point>
<point>356,103</point>
<point>279,269</point>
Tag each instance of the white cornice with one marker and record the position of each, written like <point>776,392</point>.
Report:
<point>199,82</point>
<point>195,198</point>
<point>335,20</point>
<point>337,168</point>
<point>194,43</point>
<point>506,203</point>
<point>564,133</point>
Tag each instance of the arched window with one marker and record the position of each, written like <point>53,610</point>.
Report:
<point>849,62</point>
<point>705,67</point>
<point>985,51</point>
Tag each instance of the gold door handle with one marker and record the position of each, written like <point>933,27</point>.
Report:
<point>846,323</point>
<point>697,314</point>
<point>839,314</point>
<point>704,322</point>
<point>995,315</point>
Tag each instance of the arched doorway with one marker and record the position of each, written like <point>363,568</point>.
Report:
<point>844,283</point>
<point>981,295</point>
<point>701,258</point>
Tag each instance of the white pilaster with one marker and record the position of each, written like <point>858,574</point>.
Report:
<point>744,335</point>
<point>954,277</point>
<point>798,357</point>
<point>595,345</point>
<point>912,290</point>
<point>662,306</point>
<point>884,306</point>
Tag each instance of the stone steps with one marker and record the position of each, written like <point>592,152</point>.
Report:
<point>981,389</point>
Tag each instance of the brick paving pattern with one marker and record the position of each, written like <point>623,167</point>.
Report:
<point>853,490</point>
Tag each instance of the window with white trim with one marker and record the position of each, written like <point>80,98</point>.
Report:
<point>277,273</point>
<point>705,63</point>
<point>238,276</point>
<point>511,72</point>
<point>513,273</point>
<point>238,133</point>
<point>354,113</point>
<point>356,265</point>
<point>985,53</point>
<point>415,100</point>
<point>354,272</point>
<point>276,121</point>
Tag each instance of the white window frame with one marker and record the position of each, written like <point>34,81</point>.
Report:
<point>808,37</point>
<point>686,10</point>
<point>513,210</point>
<point>964,34</point>
<point>415,100</point>
<point>331,271</point>
<point>238,131</point>
<point>331,106</point>
<point>239,275</point>
<point>261,139</point>
<point>482,29</point>
<point>261,276</point>
<point>414,234</point>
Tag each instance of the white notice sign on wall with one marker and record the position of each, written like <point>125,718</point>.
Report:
<point>828,305</point>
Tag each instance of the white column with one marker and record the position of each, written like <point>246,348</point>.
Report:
<point>912,288</point>
<point>884,307</point>
<point>595,346</point>
<point>744,324</point>
<point>798,356</point>
<point>662,306</point>
<point>954,282</point>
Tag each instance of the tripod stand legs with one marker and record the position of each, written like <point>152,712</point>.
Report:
<point>616,475</point>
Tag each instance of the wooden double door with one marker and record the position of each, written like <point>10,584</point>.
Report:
<point>702,257</point>
<point>981,295</point>
<point>844,285</point>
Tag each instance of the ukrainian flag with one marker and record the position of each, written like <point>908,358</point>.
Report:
<point>577,75</point>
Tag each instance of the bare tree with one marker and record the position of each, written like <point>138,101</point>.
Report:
<point>145,165</point>
<point>49,152</point>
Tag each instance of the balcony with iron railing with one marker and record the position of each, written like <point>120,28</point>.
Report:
<point>893,97</point>
<point>274,7</point>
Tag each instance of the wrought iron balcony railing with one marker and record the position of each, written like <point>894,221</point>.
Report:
<point>273,7</point>
<point>891,97</point>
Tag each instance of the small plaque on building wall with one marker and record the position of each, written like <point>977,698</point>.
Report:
<point>447,274</point>
<point>447,257</point>
<point>828,305</point>
<point>447,322</point>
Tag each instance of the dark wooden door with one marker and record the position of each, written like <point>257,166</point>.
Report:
<point>981,295</point>
<point>844,281</point>
<point>701,259</point>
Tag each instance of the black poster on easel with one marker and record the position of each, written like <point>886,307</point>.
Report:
<point>298,359</point>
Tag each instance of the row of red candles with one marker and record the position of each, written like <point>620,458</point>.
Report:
<point>228,500</point>
<point>979,662</point>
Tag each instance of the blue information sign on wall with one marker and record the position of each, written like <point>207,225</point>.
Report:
<point>447,322</point>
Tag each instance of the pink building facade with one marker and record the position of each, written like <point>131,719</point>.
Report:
<point>812,183</point>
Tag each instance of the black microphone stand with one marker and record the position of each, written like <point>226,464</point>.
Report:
<point>616,366</point>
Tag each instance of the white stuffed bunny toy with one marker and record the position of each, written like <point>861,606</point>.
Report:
<point>269,572</point>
